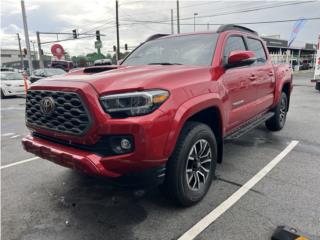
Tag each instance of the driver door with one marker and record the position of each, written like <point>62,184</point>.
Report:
<point>240,85</point>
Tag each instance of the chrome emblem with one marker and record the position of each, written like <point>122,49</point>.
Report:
<point>47,106</point>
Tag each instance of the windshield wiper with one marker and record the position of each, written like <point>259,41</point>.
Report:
<point>164,63</point>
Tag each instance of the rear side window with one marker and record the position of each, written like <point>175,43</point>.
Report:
<point>257,47</point>
<point>233,43</point>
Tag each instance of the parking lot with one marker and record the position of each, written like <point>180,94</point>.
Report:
<point>41,200</point>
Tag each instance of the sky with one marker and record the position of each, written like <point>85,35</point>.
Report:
<point>140,19</point>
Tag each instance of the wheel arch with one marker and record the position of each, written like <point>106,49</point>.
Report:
<point>199,109</point>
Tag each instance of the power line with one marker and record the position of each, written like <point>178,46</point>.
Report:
<point>217,24</point>
<point>250,10</point>
<point>228,13</point>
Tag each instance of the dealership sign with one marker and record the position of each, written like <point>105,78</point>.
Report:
<point>57,51</point>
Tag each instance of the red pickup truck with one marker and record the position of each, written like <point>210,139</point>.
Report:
<point>164,112</point>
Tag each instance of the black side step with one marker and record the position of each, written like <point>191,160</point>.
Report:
<point>247,126</point>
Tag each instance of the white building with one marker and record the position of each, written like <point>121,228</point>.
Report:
<point>12,55</point>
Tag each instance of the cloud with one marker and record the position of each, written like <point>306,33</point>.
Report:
<point>91,15</point>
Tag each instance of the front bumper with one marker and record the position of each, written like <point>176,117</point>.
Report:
<point>66,156</point>
<point>149,143</point>
<point>90,163</point>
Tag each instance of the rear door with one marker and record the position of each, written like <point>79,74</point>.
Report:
<point>239,84</point>
<point>263,71</point>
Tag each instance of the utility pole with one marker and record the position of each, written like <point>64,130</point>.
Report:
<point>178,18</point>
<point>117,26</point>
<point>20,50</point>
<point>194,21</point>
<point>26,34</point>
<point>41,65</point>
<point>172,31</point>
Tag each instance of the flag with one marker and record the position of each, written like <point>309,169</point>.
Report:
<point>296,28</point>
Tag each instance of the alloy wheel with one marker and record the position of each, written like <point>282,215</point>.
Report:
<point>198,165</point>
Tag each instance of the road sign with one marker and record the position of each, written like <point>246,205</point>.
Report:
<point>57,51</point>
<point>98,44</point>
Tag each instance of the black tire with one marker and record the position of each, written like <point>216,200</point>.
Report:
<point>2,95</point>
<point>180,166</point>
<point>277,122</point>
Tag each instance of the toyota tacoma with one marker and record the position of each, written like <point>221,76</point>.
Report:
<point>166,110</point>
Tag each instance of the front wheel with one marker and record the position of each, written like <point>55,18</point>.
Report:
<point>278,120</point>
<point>191,167</point>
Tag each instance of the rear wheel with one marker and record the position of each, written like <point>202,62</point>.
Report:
<point>2,95</point>
<point>191,167</point>
<point>277,122</point>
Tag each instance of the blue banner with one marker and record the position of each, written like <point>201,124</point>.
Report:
<point>296,28</point>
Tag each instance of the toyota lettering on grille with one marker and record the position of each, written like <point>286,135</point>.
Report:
<point>47,106</point>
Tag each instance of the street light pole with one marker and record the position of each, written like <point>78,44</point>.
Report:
<point>172,31</point>
<point>194,21</point>
<point>117,26</point>
<point>178,17</point>
<point>26,34</point>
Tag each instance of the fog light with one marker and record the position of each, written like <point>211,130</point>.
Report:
<point>121,144</point>
<point>125,144</point>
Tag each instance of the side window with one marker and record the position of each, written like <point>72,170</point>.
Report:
<point>233,43</point>
<point>257,47</point>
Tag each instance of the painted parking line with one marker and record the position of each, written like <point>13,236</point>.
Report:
<point>7,134</point>
<point>15,136</point>
<point>228,203</point>
<point>19,162</point>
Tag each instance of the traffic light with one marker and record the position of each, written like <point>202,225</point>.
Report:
<point>114,48</point>
<point>25,52</point>
<point>126,47</point>
<point>74,33</point>
<point>98,35</point>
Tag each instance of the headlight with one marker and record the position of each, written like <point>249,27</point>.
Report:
<point>134,103</point>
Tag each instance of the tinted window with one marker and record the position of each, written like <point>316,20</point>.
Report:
<point>195,50</point>
<point>233,43</point>
<point>257,47</point>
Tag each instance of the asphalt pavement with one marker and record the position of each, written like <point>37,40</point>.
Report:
<point>41,200</point>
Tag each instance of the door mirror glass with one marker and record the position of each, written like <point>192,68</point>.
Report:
<point>240,58</point>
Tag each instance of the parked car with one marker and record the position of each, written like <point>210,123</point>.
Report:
<point>101,62</point>
<point>45,72</point>
<point>7,69</point>
<point>305,65</point>
<point>62,64</point>
<point>164,113</point>
<point>12,84</point>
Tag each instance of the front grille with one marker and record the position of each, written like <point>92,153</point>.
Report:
<point>69,114</point>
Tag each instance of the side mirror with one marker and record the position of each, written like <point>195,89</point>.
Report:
<point>240,58</point>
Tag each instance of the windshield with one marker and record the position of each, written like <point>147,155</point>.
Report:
<point>54,71</point>
<point>194,50</point>
<point>11,76</point>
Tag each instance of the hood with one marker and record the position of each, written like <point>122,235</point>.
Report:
<point>126,78</point>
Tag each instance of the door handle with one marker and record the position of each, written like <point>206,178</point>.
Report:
<point>270,74</point>
<point>253,77</point>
